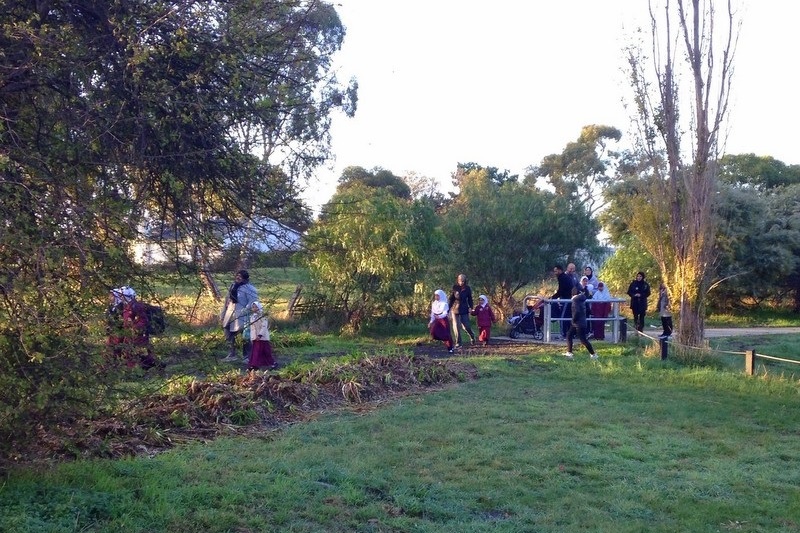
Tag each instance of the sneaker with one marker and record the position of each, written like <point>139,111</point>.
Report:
<point>593,356</point>
<point>568,355</point>
<point>450,350</point>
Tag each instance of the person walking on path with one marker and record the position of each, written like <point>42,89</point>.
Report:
<point>564,292</point>
<point>578,324</point>
<point>639,291</point>
<point>240,297</point>
<point>485,317</point>
<point>438,326</point>
<point>664,312</point>
<point>460,303</point>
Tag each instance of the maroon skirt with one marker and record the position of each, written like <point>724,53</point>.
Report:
<point>261,354</point>
<point>440,330</point>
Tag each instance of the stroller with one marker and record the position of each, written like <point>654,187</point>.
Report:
<point>530,321</point>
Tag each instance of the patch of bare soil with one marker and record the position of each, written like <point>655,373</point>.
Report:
<point>253,403</point>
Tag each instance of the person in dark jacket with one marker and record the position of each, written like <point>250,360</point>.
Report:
<point>461,304</point>
<point>578,326</point>
<point>564,292</point>
<point>639,291</point>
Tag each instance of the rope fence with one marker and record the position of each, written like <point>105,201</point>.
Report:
<point>750,356</point>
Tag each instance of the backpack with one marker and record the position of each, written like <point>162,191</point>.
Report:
<point>156,324</point>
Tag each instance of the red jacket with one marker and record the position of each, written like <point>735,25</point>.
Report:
<point>485,315</point>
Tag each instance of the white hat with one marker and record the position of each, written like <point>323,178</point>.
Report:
<point>128,292</point>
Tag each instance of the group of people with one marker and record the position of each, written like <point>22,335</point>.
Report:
<point>450,315</point>
<point>242,314</point>
<point>577,291</point>
<point>127,331</point>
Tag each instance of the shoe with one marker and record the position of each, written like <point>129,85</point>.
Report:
<point>450,350</point>
<point>230,359</point>
<point>593,356</point>
<point>568,355</point>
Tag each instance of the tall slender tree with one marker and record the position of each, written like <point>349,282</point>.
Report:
<point>680,91</point>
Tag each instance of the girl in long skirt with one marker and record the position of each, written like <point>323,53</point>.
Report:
<point>261,352</point>
<point>438,326</point>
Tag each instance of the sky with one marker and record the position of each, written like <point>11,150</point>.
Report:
<point>507,82</point>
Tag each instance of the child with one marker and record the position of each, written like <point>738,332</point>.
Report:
<point>485,317</point>
<point>664,312</point>
<point>258,330</point>
<point>438,326</point>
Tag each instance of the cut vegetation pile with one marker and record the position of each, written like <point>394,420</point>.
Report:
<point>238,403</point>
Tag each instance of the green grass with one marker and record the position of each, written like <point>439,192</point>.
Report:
<point>537,444</point>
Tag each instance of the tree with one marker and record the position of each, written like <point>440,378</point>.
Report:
<point>506,235</point>
<point>581,171</point>
<point>378,178</point>
<point>690,60</point>
<point>757,172</point>
<point>368,249</point>
<point>110,111</point>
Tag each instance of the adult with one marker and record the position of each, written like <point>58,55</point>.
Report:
<point>460,303</point>
<point>588,290</point>
<point>572,272</point>
<point>562,310</point>
<point>639,291</point>
<point>664,312</point>
<point>437,325</point>
<point>601,307</point>
<point>235,313</point>
<point>578,324</point>
<point>136,341</point>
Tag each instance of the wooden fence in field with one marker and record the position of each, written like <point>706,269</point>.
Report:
<point>750,356</point>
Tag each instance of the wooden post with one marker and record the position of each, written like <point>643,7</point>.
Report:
<point>664,348</point>
<point>749,362</point>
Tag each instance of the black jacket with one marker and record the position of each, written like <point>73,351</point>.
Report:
<point>463,304</point>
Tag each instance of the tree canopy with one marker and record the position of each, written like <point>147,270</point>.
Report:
<point>184,111</point>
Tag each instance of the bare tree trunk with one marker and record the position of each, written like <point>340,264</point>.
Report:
<point>206,277</point>
<point>685,182</point>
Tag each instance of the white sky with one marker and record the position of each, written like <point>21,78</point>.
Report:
<point>504,83</point>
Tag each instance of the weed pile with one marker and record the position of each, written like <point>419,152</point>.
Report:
<point>237,403</point>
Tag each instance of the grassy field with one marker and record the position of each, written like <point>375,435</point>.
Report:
<point>536,444</point>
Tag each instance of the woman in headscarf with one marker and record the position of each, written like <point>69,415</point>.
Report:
<point>438,326</point>
<point>241,296</point>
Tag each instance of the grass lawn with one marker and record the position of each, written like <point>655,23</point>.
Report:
<point>536,444</point>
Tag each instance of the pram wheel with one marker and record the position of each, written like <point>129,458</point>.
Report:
<point>538,336</point>
<point>513,333</point>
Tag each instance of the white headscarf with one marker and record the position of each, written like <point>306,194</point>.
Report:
<point>601,294</point>
<point>483,299</point>
<point>439,307</point>
<point>128,293</point>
